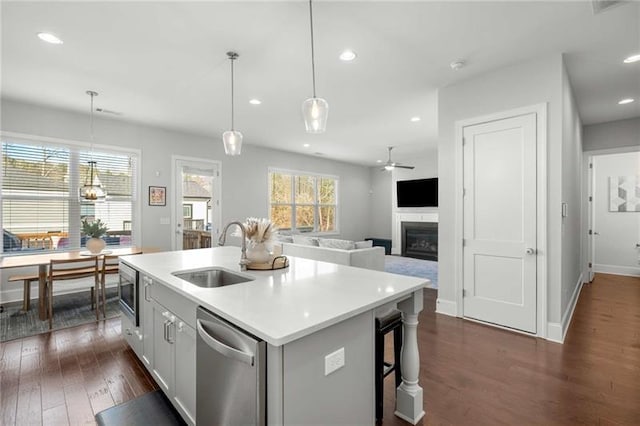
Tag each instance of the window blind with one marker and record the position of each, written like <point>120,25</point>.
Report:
<point>39,195</point>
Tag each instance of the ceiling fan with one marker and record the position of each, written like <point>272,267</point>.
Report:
<point>390,165</point>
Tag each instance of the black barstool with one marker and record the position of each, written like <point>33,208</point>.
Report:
<point>387,323</point>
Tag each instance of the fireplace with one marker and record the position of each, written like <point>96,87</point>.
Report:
<point>420,240</point>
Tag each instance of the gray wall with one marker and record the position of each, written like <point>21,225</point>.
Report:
<point>614,134</point>
<point>572,260</point>
<point>244,178</point>
<point>380,203</point>
<point>512,87</point>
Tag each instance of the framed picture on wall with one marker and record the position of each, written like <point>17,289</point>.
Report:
<point>187,211</point>
<point>157,195</point>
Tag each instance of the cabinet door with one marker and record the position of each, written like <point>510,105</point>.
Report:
<point>185,370</point>
<point>146,319</point>
<point>163,354</point>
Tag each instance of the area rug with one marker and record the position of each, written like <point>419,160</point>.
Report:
<point>68,310</point>
<point>413,267</point>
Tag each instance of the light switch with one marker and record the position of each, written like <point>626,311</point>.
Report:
<point>165,221</point>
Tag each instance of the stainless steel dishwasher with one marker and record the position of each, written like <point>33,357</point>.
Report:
<point>231,374</point>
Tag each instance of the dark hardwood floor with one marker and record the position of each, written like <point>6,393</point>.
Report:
<point>67,376</point>
<point>470,373</point>
<point>476,374</point>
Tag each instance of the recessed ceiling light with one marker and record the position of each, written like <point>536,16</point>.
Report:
<point>631,59</point>
<point>348,55</point>
<point>306,145</point>
<point>378,161</point>
<point>49,38</point>
<point>255,101</point>
<point>415,119</point>
<point>626,101</point>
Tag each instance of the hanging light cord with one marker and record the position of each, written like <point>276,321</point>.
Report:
<point>313,63</point>
<point>91,133</point>
<point>232,57</point>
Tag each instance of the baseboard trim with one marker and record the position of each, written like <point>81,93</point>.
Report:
<point>556,332</point>
<point>629,271</point>
<point>446,307</point>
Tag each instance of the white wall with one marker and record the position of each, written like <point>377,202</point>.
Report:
<point>244,178</point>
<point>619,232</point>
<point>613,134</point>
<point>572,259</point>
<point>512,87</point>
<point>380,203</point>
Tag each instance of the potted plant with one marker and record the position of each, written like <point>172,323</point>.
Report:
<point>259,232</point>
<point>95,229</point>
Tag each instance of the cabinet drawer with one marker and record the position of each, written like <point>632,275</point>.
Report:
<point>176,303</point>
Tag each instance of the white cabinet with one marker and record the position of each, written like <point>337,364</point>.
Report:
<point>174,359</point>
<point>146,322</point>
<point>131,333</point>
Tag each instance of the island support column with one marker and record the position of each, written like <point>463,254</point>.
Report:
<point>409,404</point>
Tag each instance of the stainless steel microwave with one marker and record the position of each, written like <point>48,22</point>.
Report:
<point>128,291</point>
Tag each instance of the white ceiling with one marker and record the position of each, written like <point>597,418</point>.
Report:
<point>165,64</point>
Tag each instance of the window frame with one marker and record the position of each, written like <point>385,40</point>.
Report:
<point>316,205</point>
<point>74,146</point>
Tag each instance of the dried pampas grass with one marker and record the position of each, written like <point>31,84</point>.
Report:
<point>260,230</point>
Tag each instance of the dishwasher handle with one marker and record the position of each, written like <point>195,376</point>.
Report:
<point>220,347</point>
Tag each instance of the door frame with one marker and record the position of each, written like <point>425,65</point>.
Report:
<point>217,189</point>
<point>541,214</point>
<point>586,242</point>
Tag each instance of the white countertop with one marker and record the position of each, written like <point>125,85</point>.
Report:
<point>283,305</point>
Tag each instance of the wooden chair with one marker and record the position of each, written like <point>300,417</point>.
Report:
<point>71,269</point>
<point>110,266</point>
<point>190,240</point>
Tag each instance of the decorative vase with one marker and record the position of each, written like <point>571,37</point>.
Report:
<point>258,252</point>
<point>95,245</point>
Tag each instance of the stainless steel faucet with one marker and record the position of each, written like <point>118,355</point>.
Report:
<point>223,237</point>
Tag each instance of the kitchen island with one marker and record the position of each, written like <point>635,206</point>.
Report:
<point>305,314</point>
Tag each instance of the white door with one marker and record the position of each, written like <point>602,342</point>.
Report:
<point>499,247</point>
<point>197,203</point>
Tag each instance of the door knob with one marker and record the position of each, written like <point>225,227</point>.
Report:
<point>531,250</point>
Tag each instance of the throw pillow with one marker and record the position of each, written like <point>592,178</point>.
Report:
<point>337,244</point>
<point>364,244</point>
<point>306,241</point>
<point>284,238</point>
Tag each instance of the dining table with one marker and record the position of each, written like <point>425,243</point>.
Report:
<point>42,261</point>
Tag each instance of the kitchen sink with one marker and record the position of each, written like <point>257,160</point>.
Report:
<point>212,277</point>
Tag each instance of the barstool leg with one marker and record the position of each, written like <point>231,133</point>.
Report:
<point>397,346</point>
<point>379,370</point>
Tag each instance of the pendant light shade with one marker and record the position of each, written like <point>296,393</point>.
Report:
<point>314,110</point>
<point>232,139</point>
<point>92,190</point>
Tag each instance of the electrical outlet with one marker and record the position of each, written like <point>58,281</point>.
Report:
<point>333,361</point>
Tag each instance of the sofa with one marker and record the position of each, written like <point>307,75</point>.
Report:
<point>368,258</point>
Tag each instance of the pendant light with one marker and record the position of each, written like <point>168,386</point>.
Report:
<point>314,110</point>
<point>232,139</point>
<point>92,190</point>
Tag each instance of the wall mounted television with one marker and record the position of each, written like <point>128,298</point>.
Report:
<point>417,192</point>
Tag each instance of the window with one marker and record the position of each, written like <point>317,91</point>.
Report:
<point>39,195</point>
<point>303,202</point>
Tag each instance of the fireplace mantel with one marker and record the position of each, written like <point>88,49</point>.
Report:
<point>408,217</point>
